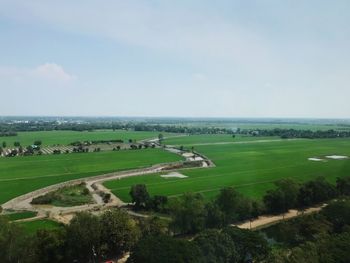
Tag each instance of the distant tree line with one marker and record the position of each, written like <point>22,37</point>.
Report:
<point>7,133</point>
<point>51,126</point>
<point>292,133</point>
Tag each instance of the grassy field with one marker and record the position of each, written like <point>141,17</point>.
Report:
<point>195,140</point>
<point>251,167</point>
<point>20,175</point>
<point>19,215</point>
<point>32,226</point>
<point>66,137</point>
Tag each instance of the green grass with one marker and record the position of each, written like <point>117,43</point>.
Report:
<point>20,175</point>
<point>197,140</point>
<point>66,196</point>
<point>19,215</point>
<point>32,226</point>
<point>66,137</point>
<point>250,167</point>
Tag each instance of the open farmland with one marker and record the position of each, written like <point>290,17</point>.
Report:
<point>66,137</point>
<point>20,175</point>
<point>193,140</point>
<point>251,167</point>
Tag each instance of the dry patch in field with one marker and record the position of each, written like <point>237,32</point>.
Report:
<point>173,175</point>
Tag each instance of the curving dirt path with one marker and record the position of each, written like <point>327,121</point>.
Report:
<point>94,184</point>
<point>264,221</point>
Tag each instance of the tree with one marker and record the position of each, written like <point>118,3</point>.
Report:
<point>216,246</point>
<point>165,249</point>
<point>188,214</point>
<point>37,142</point>
<point>49,246</point>
<point>83,238</point>
<point>3,144</point>
<point>215,218</point>
<point>16,144</point>
<point>139,195</point>
<point>233,205</point>
<point>160,137</point>
<point>343,185</point>
<point>283,197</point>
<point>338,213</point>
<point>152,226</point>
<point>157,203</point>
<point>119,232</point>
<point>316,191</point>
<point>106,197</point>
<point>248,244</point>
<point>15,245</point>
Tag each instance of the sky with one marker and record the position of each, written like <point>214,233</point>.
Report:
<point>184,58</point>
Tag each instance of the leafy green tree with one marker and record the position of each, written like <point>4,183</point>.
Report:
<point>316,191</point>
<point>233,205</point>
<point>83,238</point>
<point>283,197</point>
<point>49,246</point>
<point>248,244</point>
<point>16,144</point>
<point>188,214</point>
<point>15,245</point>
<point>37,142</point>
<point>165,249</point>
<point>343,185</point>
<point>216,246</point>
<point>152,226</point>
<point>160,138</point>
<point>139,195</point>
<point>118,232</point>
<point>3,144</point>
<point>215,218</point>
<point>338,213</point>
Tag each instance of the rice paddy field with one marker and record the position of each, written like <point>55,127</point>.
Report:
<point>20,175</point>
<point>251,166</point>
<point>66,137</point>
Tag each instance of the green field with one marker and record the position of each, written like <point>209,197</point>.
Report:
<point>66,137</point>
<point>32,226</point>
<point>195,140</point>
<point>20,175</point>
<point>19,215</point>
<point>251,167</point>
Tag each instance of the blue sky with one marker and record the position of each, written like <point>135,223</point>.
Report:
<point>175,58</point>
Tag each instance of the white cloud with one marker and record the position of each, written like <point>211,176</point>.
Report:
<point>47,72</point>
<point>52,71</point>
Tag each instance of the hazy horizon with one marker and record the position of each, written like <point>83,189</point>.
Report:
<point>195,59</point>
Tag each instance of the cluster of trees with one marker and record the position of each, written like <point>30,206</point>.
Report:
<point>7,133</point>
<point>181,129</point>
<point>230,244</point>
<point>293,133</point>
<point>289,194</point>
<point>318,238</point>
<point>87,143</point>
<point>142,199</point>
<point>19,150</point>
<point>88,238</point>
<point>191,213</point>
